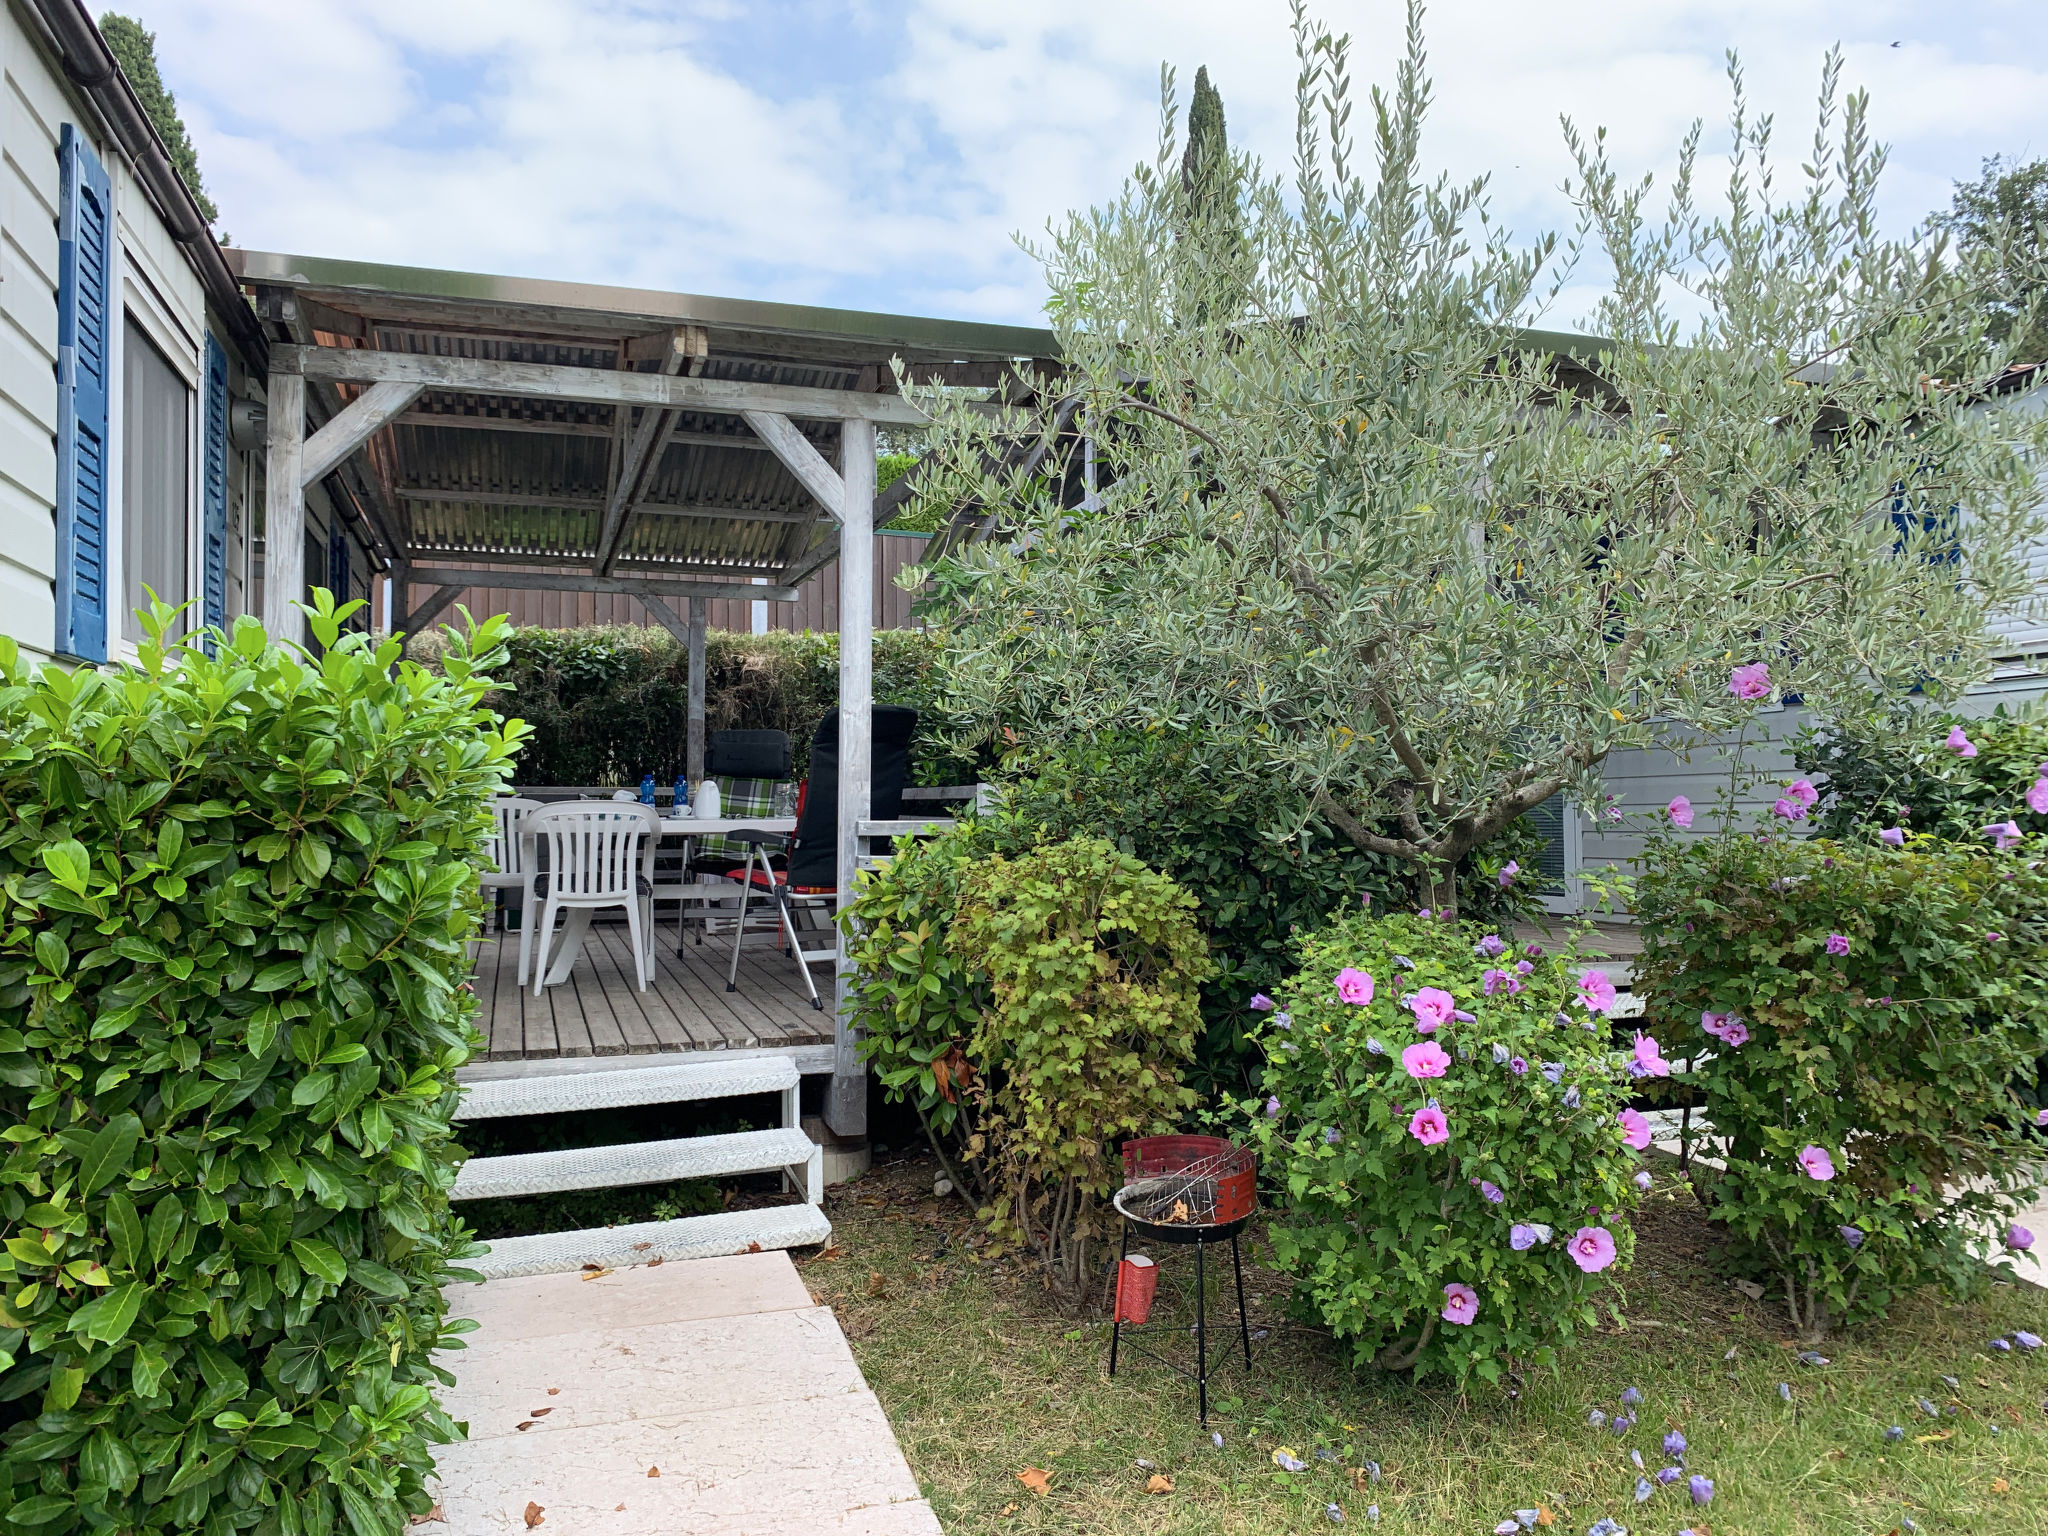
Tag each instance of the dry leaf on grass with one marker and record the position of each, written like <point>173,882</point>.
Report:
<point>2000,1485</point>
<point>830,1252</point>
<point>1009,1509</point>
<point>533,1515</point>
<point>1159,1482</point>
<point>878,1286</point>
<point>1544,1516</point>
<point>1930,1439</point>
<point>1037,1479</point>
<point>595,1274</point>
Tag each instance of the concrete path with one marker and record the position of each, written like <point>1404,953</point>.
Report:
<point>706,1398</point>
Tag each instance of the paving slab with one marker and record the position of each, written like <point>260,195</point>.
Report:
<point>719,1374</point>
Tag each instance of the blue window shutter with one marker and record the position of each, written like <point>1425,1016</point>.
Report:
<point>85,262</point>
<point>214,488</point>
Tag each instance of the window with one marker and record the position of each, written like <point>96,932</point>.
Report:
<point>1557,866</point>
<point>156,452</point>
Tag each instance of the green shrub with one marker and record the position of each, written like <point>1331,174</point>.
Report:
<point>608,703</point>
<point>1380,1224</point>
<point>233,897</point>
<point>1037,1009</point>
<point>1255,892</point>
<point>1896,1058</point>
<point>1897,770</point>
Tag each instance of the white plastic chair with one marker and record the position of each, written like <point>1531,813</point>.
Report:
<point>511,854</point>
<point>599,855</point>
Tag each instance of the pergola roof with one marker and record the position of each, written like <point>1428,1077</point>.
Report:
<point>598,488</point>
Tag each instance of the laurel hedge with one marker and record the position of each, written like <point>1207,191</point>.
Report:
<point>234,890</point>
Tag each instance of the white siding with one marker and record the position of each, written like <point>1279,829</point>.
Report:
<point>2020,632</point>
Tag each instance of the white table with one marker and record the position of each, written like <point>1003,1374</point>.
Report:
<point>578,918</point>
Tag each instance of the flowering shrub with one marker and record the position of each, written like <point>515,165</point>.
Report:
<point>1930,773</point>
<point>1445,1117</point>
<point>1870,1009</point>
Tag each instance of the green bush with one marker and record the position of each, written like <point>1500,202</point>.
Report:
<point>1384,1218</point>
<point>1255,893</point>
<point>1897,770</point>
<point>233,897</point>
<point>1037,1010</point>
<point>1894,1049</point>
<point>606,704</point>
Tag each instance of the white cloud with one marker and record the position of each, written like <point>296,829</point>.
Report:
<point>881,155</point>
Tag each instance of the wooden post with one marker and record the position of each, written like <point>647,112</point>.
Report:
<point>693,745</point>
<point>284,507</point>
<point>846,1109</point>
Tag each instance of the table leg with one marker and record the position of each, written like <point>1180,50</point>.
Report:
<point>573,930</point>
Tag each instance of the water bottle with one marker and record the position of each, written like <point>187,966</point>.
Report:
<point>647,788</point>
<point>681,804</point>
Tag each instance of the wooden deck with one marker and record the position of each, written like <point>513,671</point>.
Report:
<point>600,1010</point>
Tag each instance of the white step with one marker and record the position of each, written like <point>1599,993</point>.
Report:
<point>690,1237</point>
<point>640,1162</point>
<point>681,1082</point>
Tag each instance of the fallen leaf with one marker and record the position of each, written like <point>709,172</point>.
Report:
<point>431,1517</point>
<point>655,1262</point>
<point>2000,1485</point>
<point>1930,1439</point>
<point>554,1391</point>
<point>617,1507</point>
<point>538,1413</point>
<point>654,1471</point>
<point>1159,1482</point>
<point>878,1287</point>
<point>639,1248</point>
<point>594,1274</point>
<point>524,1424</point>
<point>830,1251</point>
<point>533,1515</point>
<point>1009,1509</point>
<point>1037,1479</point>
<point>588,1264</point>
<point>1544,1516</point>
<point>753,1248</point>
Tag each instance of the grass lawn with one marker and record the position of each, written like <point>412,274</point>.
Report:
<point>983,1379</point>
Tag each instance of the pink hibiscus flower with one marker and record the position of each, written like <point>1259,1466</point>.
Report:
<point>1429,1127</point>
<point>1896,836</point>
<point>1959,743</point>
<point>1461,1303</point>
<point>1432,1006</point>
<point>1508,871</point>
<point>1803,791</point>
<point>1592,1249</point>
<point>2005,834</point>
<point>1635,1128</point>
<point>1734,1033</point>
<point>1596,992</point>
<point>1838,944</point>
<point>1680,812</point>
<point>1425,1059</point>
<point>1751,683</point>
<point>1354,986</point>
<point>1818,1165</point>
<point>2037,797</point>
<point>1647,1057</point>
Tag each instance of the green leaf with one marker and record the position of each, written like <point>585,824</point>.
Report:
<point>272,1442</point>
<point>41,1510</point>
<point>52,953</point>
<point>107,1319</point>
<point>284,973</point>
<point>69,864</point>
<point>320,1259</point>
<point>124,1226</point>
<point>110,1153</point>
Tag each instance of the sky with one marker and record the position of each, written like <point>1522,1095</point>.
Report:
<point>886,154</point>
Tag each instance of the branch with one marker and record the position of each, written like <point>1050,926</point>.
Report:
<point>1272,496</point>
<point>1362,836</point>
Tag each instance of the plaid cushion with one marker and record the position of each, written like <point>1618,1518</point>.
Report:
<point>736,798</point>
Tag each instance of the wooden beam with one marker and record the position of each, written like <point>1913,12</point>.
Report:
<point>644,451</point>
<point>343,433</point>
<point>666,616</point>
<point>686,345</point>
<point>284,506</point>
<point>571,560</point>
<point>541,425</point>
<point>693,730</point>
<point>500,498</point>
<point>800,458</point>
<point>815,559</point>
<point>431,609</point>
<point>846,1106</point>
<point>583,581</point>
<point>475,375</point>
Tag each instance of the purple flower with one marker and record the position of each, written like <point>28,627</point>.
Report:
<point>1461,1303</point>
<point>2037,797</point>
<point>1674,1443</point>
<point>1818,1165</point>
<point>1680,812</point>
<point>2018,1238</point>
<point>1492,981</point>
<point>1597,1419</point>
<point>1666,1476</point>
<point>1518,1066</point>
<point>1425,1059</point>
<point>1283,1020</point>
<point>1647,1056</point>
<point>1261,1003</point>
<point>1431,1006</point>
<point>1492,946</point>
<point>1571,1097</point>
<point>1630,1396</point>
<point>1491,1191</point>
<point>1960,744</point>
<point>1596,992</point>
<point>1701,1488</point>
<point>1751,683</point>
<point>1623,1423</point>
<point>1463,1018</point>
<point>1788,810</point>
<point>1331,1136</point>
<point>1374,1046</point>
<point>1853,1236</point>
<point>1838,944</point>
<point>1430,1127</point>
<point>1643,1180</point>
<point>1643,1489</point>
<point>1802,790</point>
<point>2026,1340</point>
<point>2005,833</point>
<point>1592,1249</point>
<point>1354,986</point>
<point>1526,1235</point>
<point>1554,1071</point>
<point>2003,1346</point>
<point>1523,968</point>
<point>2041,1119</point>
<point>1273,1107</point>
<point>1896,836</point>
<point>1635,1129</point>
<point>1508,871</point>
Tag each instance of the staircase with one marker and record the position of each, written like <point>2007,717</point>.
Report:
<point>787,1150</point>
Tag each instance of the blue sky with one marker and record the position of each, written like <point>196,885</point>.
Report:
<point>881,154</point>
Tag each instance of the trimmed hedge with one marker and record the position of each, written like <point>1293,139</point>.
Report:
<point>234,891</point>
<point>606,704</point>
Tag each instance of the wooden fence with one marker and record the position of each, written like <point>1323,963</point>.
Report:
<point>816,607</point>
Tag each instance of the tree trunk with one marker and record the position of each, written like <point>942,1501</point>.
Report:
<point>1437,889</point>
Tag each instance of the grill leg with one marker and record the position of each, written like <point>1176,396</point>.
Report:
<point>1201,1334</point>
<point>1244,1328</point>
<point>1116,1326</point>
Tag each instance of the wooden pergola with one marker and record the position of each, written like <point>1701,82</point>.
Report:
<point>481,431</point>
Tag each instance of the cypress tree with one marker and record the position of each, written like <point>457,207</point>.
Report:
<point>135,50</point>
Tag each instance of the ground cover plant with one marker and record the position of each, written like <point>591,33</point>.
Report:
<point>1445,1128</point>
<point>1292,547</point>
<point>984,1380</point>
<point>1861,1022</point>
<point>234,889</point>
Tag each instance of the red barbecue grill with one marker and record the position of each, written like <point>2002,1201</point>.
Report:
<point>1182,1190</point>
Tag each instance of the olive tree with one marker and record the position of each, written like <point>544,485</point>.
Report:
<point>1358,526</point>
